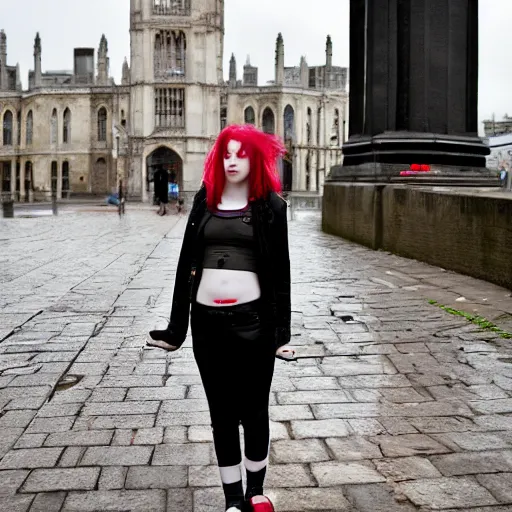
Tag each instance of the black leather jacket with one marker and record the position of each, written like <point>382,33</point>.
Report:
<point>271,233</point>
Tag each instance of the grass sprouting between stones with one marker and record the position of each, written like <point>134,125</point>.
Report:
<point>478,320</point>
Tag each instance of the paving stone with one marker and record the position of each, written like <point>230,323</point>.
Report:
<point>183,418</point>
<point>406,468</point>
<point>329,474</point>
<point>48,425</point>
<point>303,451</point>
<point>408,445</point>
<point>315,383</point>
<point>120,408</point>
<point>48,502</point>
<point>31,458</point>
<point>319,428</point>
<point>150,436</point>
<point>320,396</point>
<point>474,441</point>
<point>71,396</point>
<point>31,441</point>
<point>159,393</point>
<point>53,410</point>
<point>112,478</point>
<point>492,406</point>
<point>442,493</point>
<point>377,498</point>
<point>72,479</point>
<point>368,427</point>
<point>290,412</point>
<point>150,381</point>
<point>72,456</point>
<point>498,485</point>
<point>106,501</point>
<point>16,419</point>
<point>205,476</point>
<point>16,503</point>
<point>111,422</point>
<point>80,438</point>
<point>398,426</point>
<point>187,405</point>
<point>161,477</point>
<point>440,425</point>
<point>353,448</point>
<point>288,475</point>
<point>181,454</point>
<point>177,434</point>
<point>8,439</point>
<point>108,395</point>
<point>180,500</point>
<point>25,403</point>
<point>117,456</point>
<point>11,480</point>
<point>455,464</point>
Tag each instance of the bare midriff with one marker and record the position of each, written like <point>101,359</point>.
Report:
<point>223,287</point>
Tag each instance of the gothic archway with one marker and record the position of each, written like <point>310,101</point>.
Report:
<point>166,158</point>
<point>99,178</point>
<point>268,121</point>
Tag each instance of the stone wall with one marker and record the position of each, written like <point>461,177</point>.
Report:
<point>462,230</point>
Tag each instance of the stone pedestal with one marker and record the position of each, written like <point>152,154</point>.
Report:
<point>413,89</point>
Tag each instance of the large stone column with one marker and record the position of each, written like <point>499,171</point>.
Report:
<point>413,90</point>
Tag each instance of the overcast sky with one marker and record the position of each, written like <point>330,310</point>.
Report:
<point>251,29</point>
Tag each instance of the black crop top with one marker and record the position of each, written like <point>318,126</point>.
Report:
<point>229,241</point>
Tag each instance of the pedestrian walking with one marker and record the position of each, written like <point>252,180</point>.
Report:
<point>234,272</point>
<point>161,188</point>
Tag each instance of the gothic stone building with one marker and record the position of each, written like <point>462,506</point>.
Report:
<point>77,132</point>
<point>305,106</point>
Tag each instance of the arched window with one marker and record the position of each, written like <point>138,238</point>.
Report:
<point>335,130</point>
<point>18,122</point>
<point>268,121</point>
<point>308,126</point>
<point>29,128</point>
<point>54,177</point>
<point>66,128</point>
<point>249,116</point>
<point>102,124</point>
<point>289,124</point>
<point>54,122</point>
<point>7,125</point>
<point>65,177</point>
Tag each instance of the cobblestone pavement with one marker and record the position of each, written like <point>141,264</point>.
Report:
<point>395,405</point>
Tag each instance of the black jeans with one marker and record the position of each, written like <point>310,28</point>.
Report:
<point>236,357</point>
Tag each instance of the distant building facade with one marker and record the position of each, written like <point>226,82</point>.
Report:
<point>492,128</point>
<point>78,132</point>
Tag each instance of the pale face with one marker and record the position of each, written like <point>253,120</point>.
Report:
<point>236,163</point>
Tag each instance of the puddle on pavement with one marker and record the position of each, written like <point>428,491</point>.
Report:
<point>68,381</point>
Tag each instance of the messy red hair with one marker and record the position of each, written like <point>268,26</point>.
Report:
<point>263,151</point>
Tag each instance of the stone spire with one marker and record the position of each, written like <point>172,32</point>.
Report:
<point>328,52</point>
<point>103,62</point>
<point>279,60</point>
<point>125,80</point>
<point>38,74</point>
<point>232,71</point>
<point>18,77</point>
<point>3,60</point>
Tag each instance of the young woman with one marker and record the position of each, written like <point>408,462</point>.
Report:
<point>234,268</point>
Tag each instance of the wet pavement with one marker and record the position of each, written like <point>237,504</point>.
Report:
<point>394,404</point>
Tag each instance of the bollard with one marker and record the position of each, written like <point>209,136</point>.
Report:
<point>54,204</point>
<point>8,208</point>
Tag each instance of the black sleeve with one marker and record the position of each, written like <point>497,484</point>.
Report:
<point>180,311</point>
<point>282,275</point>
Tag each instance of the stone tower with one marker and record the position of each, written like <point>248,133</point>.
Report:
<point>175,82</point>
<point>103,62</point>
<point>3,60</point>
<point>279,76</point>
<point>232,71</point>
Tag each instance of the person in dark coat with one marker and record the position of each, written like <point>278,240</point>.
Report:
<point>161,184</point>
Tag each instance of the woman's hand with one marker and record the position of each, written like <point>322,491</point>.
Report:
<point>286,353</point>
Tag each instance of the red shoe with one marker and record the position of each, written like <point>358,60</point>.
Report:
<point>261,504</point>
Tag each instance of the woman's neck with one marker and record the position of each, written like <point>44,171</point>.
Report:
<point>234,196</point>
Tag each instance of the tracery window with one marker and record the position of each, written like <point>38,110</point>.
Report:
<point>170,54</point>
<point>169,107</point>
<point>171,7</point>
<point>29,128</point>
<point>66,128</point>
<point>54,177</point>
<point>249,116</point>
<point>268,121</point>
<point>7,129</point>
<point>289,124</point>
<point>54,122</point>
<point>102,124</point>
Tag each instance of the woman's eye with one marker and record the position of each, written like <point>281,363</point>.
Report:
<point>242,154</point>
